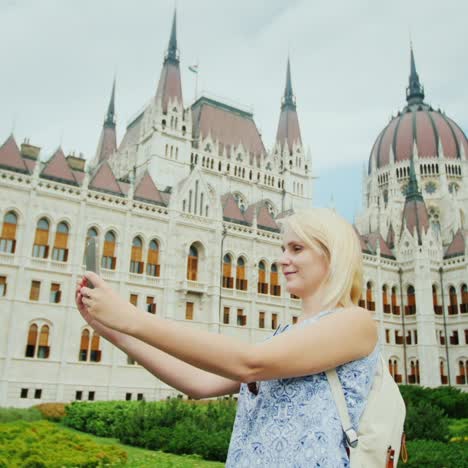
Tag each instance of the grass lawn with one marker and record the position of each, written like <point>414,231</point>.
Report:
<point>138,457</point>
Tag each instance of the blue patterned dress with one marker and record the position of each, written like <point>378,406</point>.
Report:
<point>294,422</point>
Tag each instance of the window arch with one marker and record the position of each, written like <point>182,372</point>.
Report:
<point>60,250</point>
<point>453,299</point>
<point>8,237</point>
<point>464,298</point>
<point>153,266</point>
<point>136,260</point>
<point>410,309</point>
<point>109,259</point>
<point>41,239</point>
<point>262,286</point>
<point>37,344</point>
<point>192,263</point>
<point>228,280</point>
<point>241,280</point>
<point>275,288</point>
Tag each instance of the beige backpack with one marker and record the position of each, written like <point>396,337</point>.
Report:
<point>380,435</point>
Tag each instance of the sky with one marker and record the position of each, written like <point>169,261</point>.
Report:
<point>349,64</point>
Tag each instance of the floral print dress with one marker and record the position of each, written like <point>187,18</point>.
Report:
<point>294,422</point>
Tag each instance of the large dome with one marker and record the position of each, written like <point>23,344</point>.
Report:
<point>434,134</point>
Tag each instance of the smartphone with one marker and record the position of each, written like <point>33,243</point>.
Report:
<point>92,263</point>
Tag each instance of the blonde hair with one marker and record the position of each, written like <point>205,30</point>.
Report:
<point>323,230</point>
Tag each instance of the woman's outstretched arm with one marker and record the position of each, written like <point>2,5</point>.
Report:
<point>186,378</point>
<point>336,339</point>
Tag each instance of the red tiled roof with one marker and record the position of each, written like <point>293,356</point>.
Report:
<point>58,168</point>
<point>105,180</point>
<point>79,176</point>
<point>226,125</point>
<point>375,239</point>
<point>264,218</point>
<point>457,246</point>
<point>288,129</point>
<point>415,217</point>
<point>169,86</point>
<point>10,156</point>
<point>146,190</point>
<point>231,210</point>
<point>107,144</point>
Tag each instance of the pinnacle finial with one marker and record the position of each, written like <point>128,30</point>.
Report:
<point>110,117</point>
<point>414,91</point>
<point>412,191</point>
<point>172,51</point>
<point>288,98</point>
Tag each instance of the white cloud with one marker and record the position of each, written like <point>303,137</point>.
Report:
<point>350,64</point>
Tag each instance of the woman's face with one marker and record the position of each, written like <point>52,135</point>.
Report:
<point>303,267</point>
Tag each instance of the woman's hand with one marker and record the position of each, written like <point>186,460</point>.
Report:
<point>104,306</point>
<point>108,333</point>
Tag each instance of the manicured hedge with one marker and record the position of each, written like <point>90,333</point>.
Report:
<point>17,414</point>
<point>431,454</point>
<point>173,426</point>
<point>42,444</point>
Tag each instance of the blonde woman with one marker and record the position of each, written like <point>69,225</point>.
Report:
<point>286,415</point>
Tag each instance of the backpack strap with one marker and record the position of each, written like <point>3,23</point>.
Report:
<point>338,395</point>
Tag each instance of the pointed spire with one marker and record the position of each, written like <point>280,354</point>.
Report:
<point>414,91</point>
<point>110,117</point>
<point>288,98</point>
<point>413,192</point>
<point>172,51</point>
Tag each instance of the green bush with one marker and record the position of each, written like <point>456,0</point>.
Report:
<point>43,444</point>
<point>174,426</point>
<point>426,422</point>
<point>19,414</point>
<point>451,400</point>
<point>431,454</point>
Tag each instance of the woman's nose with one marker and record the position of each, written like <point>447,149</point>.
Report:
<point>284,259</point>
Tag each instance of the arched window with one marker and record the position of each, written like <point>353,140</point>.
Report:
<point>275,288</point>
<point>89,348</point>
<point>95,354</point>
<point>464,296</point>
<point>241,281</point>
<point>109,259</point>
<point>192,264</point>
<point>43,349</point>
<point>41,239</point>
<point>461,377</point>
<point>385,301</point>
<point>32,341</point>
<point>443,377</point>
<point>228,280</point>
<point>395,306</point>
<point>136,263</point>
<point>262,280</point>
<point>60,250</point>
<point>453,299</point>
<point>153,266</point>
<point>8,238</point>
<point>410,309</point>
<point>84,345</point>
<point>370,304</point>
<point>435,301</point>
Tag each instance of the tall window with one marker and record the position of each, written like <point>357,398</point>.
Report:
<point>189,311</point>
<point>443,377</point>
<point>89,347</point>
<point>150,305</point>
<point>370,304</point>
<point>241,281</point>
<point>35,290</point>
<point>385,302</point>
<point>108,252</point>
<point>226,311</point>
<point>435,301</point>
<point>274,321</point>
<point>410,309</point>
<point>92,232</point>
<point>55,293</point>
<point>41,239</point>
<point>60,250</point>
<point>136,263</point>
<point>275,288</point>
<point>395,306</point>
<point>241,318</point>
<point>262,286</point>
<point>37,344</point>
<point>192,264</point>
<point>464,296</point>
<point>8,238</point>
<point>453,299</point>
<point>3,286</point>
<point>261,320</point>
<point>228,280</point>
<point>153,267</point>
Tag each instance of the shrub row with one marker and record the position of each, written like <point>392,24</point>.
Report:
<point>42,444</point>
<point>19,414</point>
<point>451,400</point>
<point>173,426</point>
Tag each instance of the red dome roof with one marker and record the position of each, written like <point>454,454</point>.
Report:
<point>426,127</point>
